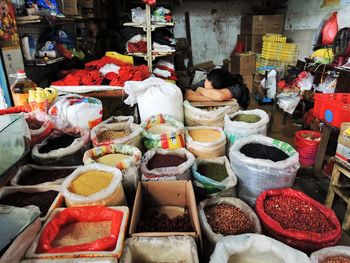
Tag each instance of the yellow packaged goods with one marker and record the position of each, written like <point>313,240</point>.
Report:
<point>113,158</point>
<point>110,135</point>
<point>205,135</point>
<point>82,232</point>
<point>90,182</point>
<point>162,128</point>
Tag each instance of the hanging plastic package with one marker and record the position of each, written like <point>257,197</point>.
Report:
<point>324,254</point>
<point>210,116</point>
<point>170,173</point>
<point>40,126</point>
<point>330,29</point>
<point>257,175</point>
<point>155,96</point>
<point>206,186</point>
<point>235,129</point>
<point>163,131</point>
<point>73,110</point>
<point>243,207</point>
<point>62,148</point>
<point>120,132</point>
<point>130,166</point>
<point>79,189</point>
<point>255,248</point>
<point>271,85</point>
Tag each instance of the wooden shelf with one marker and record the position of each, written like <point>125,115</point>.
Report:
<point>42,63</point>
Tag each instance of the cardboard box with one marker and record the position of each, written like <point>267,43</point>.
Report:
<point>251,42</point>
<point>226,64</point>
<point>257,87</point>
<point>87,3</point>
<point>172,198</point>
<point>71,7</point>
<point>253,25</point>
<point>343,148</point>
<point>275,24</point>
<point>249,81</point>
<point>243,64</point>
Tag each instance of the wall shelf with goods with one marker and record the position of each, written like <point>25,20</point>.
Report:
<point>148,27</point>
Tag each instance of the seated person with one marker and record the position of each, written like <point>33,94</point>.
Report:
<point>220,85</point>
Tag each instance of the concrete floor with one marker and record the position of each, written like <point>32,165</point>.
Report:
<point>315,187</point>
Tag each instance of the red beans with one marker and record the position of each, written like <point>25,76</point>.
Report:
<point>297,214</point>
<point>228,220</point>
<point>337,260</point>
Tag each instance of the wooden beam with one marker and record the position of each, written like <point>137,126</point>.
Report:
<point>188,36</point>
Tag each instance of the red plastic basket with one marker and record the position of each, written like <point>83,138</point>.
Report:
<point>332,108</point>
<point>307,149</point>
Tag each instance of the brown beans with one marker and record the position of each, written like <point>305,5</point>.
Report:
<point>228,220</point>
<point>297,214</point>
<point>337,260</point>
<point>152,221</point>
<point>34,124</point>
<point>110,135</point>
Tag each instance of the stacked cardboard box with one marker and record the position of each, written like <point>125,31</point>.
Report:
<point>254,27</point>
<point>243,64</point>
<point>343,149</point>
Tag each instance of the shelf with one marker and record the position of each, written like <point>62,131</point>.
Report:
<point>154,25</point>
<point>27,20</point>
<point>154,54</point>
<point>42,63</point>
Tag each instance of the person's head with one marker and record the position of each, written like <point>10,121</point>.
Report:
<point>218,79</point>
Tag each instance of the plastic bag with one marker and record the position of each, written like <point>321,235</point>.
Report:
<point>330,29</point>
<point>238,129</point>
<point>303,240</point>
<point>201,117</point>
<point>288,102</point>
<point>155,96</point>
<point>246,209</point>
<point>328,86</point>
<point>134,137</point>
<point>69,156</point>
<point>181,172</point>
<point>73,110</point>
<point>171,140</point>
<point>206,149</point>
<point>112,195</point>
<point>258,175</point>
<point>255,248</point>
<point>38,135</point>
<point>271,84</point>
<point>138,15</point>
<point>81,214</point>
<point>209,186</point>
<point>321,255</point>
<point>130,167</point>
<point>23,170</point>
<point>160,249</point>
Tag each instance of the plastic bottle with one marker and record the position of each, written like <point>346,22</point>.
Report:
<point>21,87</point>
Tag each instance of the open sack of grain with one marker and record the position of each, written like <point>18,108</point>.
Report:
<point>62,147</point>
<point>40,126</point>
<point>80,232</point>
<point>214,176</point>
<point>297,220</point>
<point>205,141</point>
<point>163,131</point>
<point>207,116</point>
<point>337,254</point>
<point>94,184</point>
<point>244,123</point>
<point>115,131</point>
<point>160,249</point>
<point>255,248</point>
<point>224,216</point>
<point>262,163</point>
<point>166,165</point>
<point>124,157</point>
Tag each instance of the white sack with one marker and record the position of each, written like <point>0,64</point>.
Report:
<point>155,96</point>
<point>324,253</point>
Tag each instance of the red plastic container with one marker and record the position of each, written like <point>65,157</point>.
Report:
<point>306,148</point>
<point>332,108</point>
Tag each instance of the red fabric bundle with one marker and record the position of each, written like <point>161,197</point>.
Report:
<point>137,73</point>
<point>81,214</point>
<point>99,63</point>
<point>138,47</point>
<point>303,240</point>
